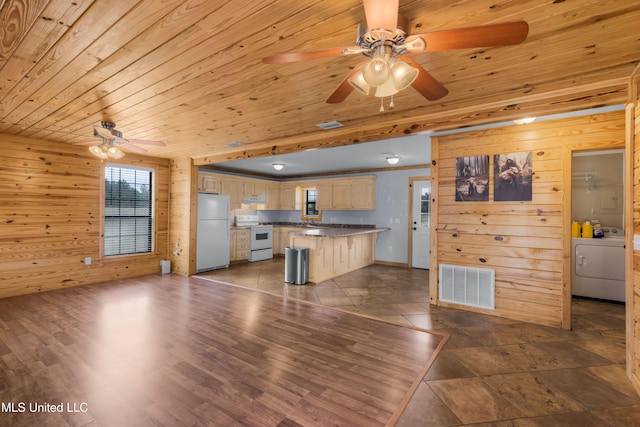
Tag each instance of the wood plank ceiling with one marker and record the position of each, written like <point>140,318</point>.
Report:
<point>190,73</point>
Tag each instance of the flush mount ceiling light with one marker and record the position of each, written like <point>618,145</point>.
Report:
<point>393,160</point>
<point>278,166</point>
<point>525,120</point>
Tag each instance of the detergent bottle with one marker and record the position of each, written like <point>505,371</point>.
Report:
<point>587,230</point>
<point>575,229</point>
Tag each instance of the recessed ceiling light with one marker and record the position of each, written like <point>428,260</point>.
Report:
<point>235,144</point>
<point>278,166</point>
<point>330,125</point>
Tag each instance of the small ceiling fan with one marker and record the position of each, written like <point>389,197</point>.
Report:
<point>389,70</point>
<point>110,142</point>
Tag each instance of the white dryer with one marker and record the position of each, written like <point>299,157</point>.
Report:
<point>599,266</point>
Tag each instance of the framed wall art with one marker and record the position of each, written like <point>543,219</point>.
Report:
<point>512,177</point>
<point>472,179</point>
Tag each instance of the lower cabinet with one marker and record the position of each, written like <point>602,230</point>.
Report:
<point>239,244</point>
<point>333,256</point>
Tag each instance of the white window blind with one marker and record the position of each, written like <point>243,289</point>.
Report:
<point>128,207</point>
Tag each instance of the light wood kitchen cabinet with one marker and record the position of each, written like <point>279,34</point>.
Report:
<point>242,244</point>
<point>363,193</point>
<point>254,189</point>
<point>273,196</point>
<point>288,197</point>
<point>232,244</point>
<point>324,195</point>
<point>333,256</point>
<point>208,183</point>
<point>340,255</point>
<point>284,237</point>
<point>341,195</point>
<point>358,193</point>
<point>356,251</point>
<point>232,187</point>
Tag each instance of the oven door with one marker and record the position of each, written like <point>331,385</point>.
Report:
<point>261,238</point>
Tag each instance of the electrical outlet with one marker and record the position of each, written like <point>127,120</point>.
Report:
<point>87,260</point>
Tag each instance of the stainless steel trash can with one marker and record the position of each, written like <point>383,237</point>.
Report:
<point>296,265</point>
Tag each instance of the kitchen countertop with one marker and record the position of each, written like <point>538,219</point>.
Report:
<point>336,231</point>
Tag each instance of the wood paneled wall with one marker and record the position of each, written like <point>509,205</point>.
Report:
<point>183,204</point>
<point>50,197</point>
<point>528,244</point>
<point>633,275</point>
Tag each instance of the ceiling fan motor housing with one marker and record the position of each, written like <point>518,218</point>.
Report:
<point>371,40</point>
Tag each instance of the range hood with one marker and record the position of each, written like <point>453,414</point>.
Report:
<point>254,200</point>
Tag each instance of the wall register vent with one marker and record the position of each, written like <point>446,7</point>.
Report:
<point>470,286</point>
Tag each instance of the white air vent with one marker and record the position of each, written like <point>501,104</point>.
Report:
<point>330,125</point>
<point>470,286</point>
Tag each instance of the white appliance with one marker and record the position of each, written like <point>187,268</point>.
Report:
<point>212,247</point>
<point>599,266</point>
<point>261,237</point>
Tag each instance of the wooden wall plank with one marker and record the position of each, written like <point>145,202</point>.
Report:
<point>632,221</point>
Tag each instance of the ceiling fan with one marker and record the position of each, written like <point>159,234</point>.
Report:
<point>110,142</point>
<point>389,70</point>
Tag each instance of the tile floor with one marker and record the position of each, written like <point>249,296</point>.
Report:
<point>492,371</point>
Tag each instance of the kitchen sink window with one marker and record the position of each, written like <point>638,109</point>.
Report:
<point>128,210</point>
<point>310,210</point>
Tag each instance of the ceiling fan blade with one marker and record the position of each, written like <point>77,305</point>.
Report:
<point>381,14</point>
<point>102,132</point>
<point>145,142</point>
<point>345,88</point>
<point>281,58</point>
<point>87,143</point>
<point>131,147</point>
<point>508,33</point>
<point>425,84</point>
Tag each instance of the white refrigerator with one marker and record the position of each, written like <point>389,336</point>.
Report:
<point>212,247</point>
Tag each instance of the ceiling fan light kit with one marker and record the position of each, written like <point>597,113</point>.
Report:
<point>384,40</point>
<point>110,142</point>
<point>105,151</point>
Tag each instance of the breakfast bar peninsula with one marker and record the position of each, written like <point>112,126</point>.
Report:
<point>334,251</point>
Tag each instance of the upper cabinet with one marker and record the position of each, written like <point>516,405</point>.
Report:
<point>363,192</point>
<point>254,189</point>
<point>354,193</point>
<point>357,193</point>
<point>288,196</point>
<point>208,183</point>
<point>324,195</point>
<point>273,196</point>
<point>232,187</point>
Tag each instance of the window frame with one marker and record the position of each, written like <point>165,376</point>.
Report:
<point>153,229</point>
<point>305,204</point>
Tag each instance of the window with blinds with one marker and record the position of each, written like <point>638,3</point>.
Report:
<point>128,210</point>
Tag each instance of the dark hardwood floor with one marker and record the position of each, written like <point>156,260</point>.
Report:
<point>176,351</point>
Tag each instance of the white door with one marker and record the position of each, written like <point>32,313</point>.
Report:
<point>421,224</point>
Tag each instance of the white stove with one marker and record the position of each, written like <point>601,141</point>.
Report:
<point>261,240</point>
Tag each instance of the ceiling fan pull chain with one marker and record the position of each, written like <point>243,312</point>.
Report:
<point>382,105</point>
<point>391,104</point>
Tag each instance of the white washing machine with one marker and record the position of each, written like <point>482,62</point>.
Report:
<point>599,266</point>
